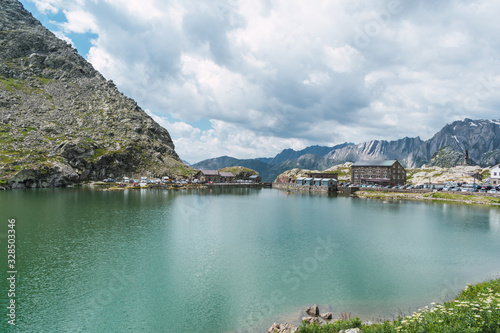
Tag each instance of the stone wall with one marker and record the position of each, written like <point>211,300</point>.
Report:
<point>300,188</point>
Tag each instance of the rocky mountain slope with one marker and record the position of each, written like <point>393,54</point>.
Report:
<point>60,121</point>
<point>376,150</point>
<point>290,154</point>
<point>415,176</point>
<point>481,138</point>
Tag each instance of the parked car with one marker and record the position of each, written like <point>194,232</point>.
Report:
<point>109,180</point>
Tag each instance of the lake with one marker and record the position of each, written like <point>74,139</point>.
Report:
<point>233,260</point>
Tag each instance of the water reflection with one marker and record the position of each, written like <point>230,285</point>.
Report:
<point>495,220</point>
<point>221,253</point>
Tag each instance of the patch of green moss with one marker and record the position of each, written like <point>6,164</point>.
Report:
<point>469,198</point>
<point>9,156</point>
<point>98,153</point>
<point>12,85</point>
<point>5,139</point>
<point>43,80</point>
<point>27,130</point>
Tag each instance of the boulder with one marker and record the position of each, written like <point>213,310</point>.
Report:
<point>326,316</point>
<point>351,330</point>
<point>310,320</point>
<point>282,328</point>
<point>313,310</point>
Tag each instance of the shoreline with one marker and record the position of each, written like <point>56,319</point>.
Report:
<point>488,200</point>
<point>364,320</point>
<point>453,197</point>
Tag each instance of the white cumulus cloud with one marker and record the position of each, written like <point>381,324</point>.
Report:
<point>272,74</point>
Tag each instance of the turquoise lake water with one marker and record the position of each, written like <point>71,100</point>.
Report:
<point>233,260</point>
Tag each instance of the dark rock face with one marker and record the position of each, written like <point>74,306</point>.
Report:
<point>479,137</point>
<point>61,121</point>
<point>446,157</point>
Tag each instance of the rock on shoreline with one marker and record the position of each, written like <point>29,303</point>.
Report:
<point>315,317</point>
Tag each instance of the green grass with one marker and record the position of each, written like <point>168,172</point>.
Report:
<point>236,169</point>
<point>9,156</point>
<point>334,327</point>
<point>11,84</point>
<point>461,197</point>
<point>476,309</point>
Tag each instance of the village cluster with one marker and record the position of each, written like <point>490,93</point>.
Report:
<point>390,174</point>
<point>379,174</point>
<point>201,177</point>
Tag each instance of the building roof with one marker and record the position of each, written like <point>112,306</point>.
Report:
<point>210,172</point>
<point>387,163</point>
<point>226,174</point>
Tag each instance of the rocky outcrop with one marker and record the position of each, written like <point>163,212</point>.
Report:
<point>282,328</point>
<point>479,137</point>
<point>314,318</point>
<point>326,316</point>
<point>459,174</point>
<point>313,310</point>
<point>239,172</point>
<point>310,320</point>
<point>61,122</point>
<point>490,158</point>
<point>446,157</point>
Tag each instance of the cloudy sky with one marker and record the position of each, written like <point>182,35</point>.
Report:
<point>248,78</point>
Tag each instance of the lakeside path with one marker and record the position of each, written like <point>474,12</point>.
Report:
<point>430,196</point>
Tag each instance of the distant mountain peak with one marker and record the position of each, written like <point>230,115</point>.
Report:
<point>481,138</point>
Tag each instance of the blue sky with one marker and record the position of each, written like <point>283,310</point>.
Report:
<point>248,78</point>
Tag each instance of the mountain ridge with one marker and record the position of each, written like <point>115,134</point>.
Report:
<point>481,138</point>
<point>61,121</point>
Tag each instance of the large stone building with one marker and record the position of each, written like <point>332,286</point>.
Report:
<point>208,176</point>
<point>214,176</point>
<point>378,172</point>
